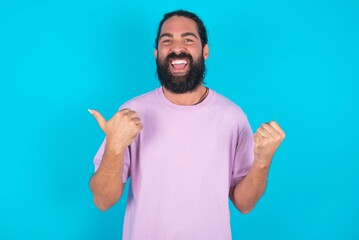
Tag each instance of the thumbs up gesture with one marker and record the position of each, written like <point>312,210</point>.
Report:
<point>121,130</point>
<point>266,141</point>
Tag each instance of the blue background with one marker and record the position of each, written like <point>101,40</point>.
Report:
<point>292,61</point>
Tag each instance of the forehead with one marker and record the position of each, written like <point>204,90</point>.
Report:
<point>179,25</point>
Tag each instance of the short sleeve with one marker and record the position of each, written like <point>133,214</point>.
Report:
<point>244,154</point>
<point>126,163</point>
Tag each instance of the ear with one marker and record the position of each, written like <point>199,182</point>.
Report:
<point>155,53</point>
<point>205,51</point>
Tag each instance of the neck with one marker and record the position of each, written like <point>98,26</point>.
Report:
<point>186,99</point>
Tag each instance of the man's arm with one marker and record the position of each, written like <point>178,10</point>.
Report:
<point>121,130</point>
<point>248,191</point>
<point>106,183</point>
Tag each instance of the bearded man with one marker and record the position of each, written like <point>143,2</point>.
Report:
<point>185,147</point>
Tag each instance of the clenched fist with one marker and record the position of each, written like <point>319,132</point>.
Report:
<point>267,139</point>
<point>121,130</point>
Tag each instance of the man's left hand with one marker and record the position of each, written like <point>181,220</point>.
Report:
<point>267,139</point>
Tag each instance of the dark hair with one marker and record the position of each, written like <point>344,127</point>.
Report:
<point>182,13</point>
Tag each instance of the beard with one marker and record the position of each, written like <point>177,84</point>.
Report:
<point>184,83</point>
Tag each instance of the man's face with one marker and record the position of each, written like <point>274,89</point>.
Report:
<point>180,55</point>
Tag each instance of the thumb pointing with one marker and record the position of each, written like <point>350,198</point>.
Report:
<point>101,121</point>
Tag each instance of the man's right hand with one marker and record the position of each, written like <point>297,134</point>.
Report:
<point>121,130</point>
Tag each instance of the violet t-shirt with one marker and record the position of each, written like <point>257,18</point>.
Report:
<point>181,167</point>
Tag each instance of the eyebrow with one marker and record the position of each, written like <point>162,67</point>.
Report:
<point>182,35</point>
<point>188,34</point>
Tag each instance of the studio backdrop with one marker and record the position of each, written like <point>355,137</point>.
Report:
<point>295,62</point>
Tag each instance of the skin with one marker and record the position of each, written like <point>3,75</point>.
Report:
<point>178,34</point>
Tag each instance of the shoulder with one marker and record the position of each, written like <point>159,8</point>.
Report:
<point>231,114</point>
<point>141,101</point>
<point>227,106</point>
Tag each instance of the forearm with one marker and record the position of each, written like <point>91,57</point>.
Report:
<point>106,184</point>
<point>249,190</point>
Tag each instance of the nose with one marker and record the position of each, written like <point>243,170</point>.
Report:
<point>178,48</point>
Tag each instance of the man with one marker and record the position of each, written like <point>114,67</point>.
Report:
<point>185,147</point>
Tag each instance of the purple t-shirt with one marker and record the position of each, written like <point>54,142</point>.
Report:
<point>182,165</point>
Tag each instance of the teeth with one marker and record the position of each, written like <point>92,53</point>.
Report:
<point>179,61</point>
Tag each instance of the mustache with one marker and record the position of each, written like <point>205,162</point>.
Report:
<point>181,55</point>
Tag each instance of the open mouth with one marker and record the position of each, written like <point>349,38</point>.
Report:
<point>178,64</point>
